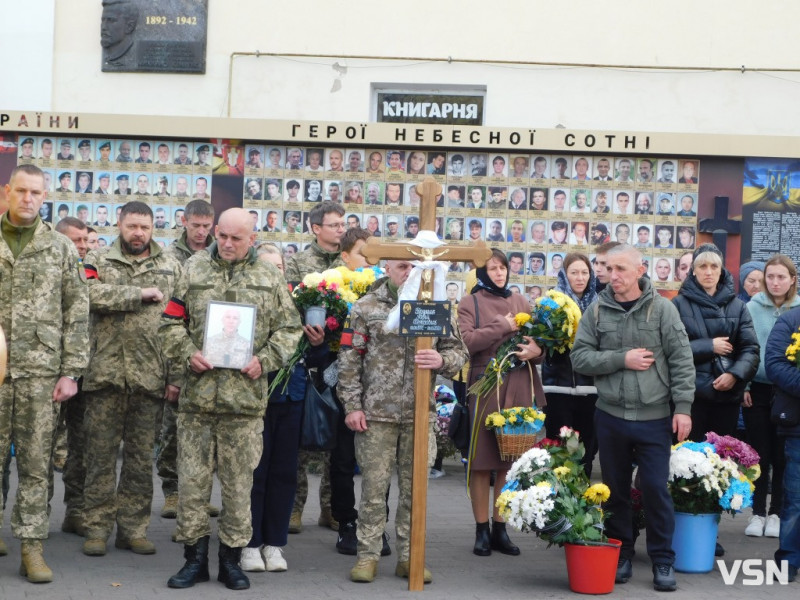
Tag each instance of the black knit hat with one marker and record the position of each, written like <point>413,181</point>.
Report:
<point>707,248</point>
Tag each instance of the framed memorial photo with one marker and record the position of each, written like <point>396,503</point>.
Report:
<point>229,333</point>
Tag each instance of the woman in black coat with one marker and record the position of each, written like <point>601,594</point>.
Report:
<point>724,343</point>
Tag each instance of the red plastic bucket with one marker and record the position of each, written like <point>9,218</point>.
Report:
<point>591,569</point>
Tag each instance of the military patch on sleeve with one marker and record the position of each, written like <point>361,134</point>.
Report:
<point>82,271</point>
<point>90,271</point>
<point>347,334</point>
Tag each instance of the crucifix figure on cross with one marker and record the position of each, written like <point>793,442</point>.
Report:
<point>430,256</point>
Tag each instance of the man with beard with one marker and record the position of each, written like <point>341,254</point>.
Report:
<point>127,380</point>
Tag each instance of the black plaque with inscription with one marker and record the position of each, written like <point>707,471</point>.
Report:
<point>425,319</point>
<point>154,36</point>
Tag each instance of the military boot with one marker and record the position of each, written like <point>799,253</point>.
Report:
<point>136,545</point>
<point>326,519</point>
<point>364,571</point>
<point>73,524</point>
<point>195,569</point>
<point>170,508</point>
<point>229,571</point>
<point>403,569</point>
<point>296,521</point>
<point>33,566</point>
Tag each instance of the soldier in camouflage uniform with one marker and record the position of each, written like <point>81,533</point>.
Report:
<point>72,413</point>
<point>44,311</point>
<point>321,255</point>
<point>220,411</point>
<point>198,220</point>
<point>376,386</point>
<point>130,283</point>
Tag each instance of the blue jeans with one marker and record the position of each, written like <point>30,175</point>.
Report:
<point>789,548</point>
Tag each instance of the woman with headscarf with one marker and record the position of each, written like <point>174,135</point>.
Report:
<point>571,396</point>
<point>751,280</point>
<point>486,320</point>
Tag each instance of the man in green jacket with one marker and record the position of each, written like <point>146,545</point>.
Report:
<point>221,410</point>
<point>198,221</point>
<point>128,378</point>
<point>632,341</point>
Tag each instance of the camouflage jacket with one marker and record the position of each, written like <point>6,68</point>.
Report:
<point>126,349</point>
<point>311,260</point>
<point>208,277</point>
<point>44,307</point>
<point>180,250</point>
<point>376,372</point>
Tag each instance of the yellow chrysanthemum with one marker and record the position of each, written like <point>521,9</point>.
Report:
<point>521,318</point>
<point>597,493</point>
<point>544,484</point>
<point>333,276</point>
<point>561,471</point>
<point>347,274</point>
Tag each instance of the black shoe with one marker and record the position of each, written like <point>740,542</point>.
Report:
<point>792,573</point>
<point>664,578</point>
<point>386,550</point>
<point>229,571</point>
<point>195,569</point>
<point>500,540</point>
<point>483,543</point>
<point>347,542</point>
<point>624,570</point>
<point>719,550</point>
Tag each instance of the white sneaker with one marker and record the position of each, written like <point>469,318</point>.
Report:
<point>773,528</point>
<point>273,557</point>
<point>251,560</point>
<point>755,526</point>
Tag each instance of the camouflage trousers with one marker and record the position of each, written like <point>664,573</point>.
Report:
<point>303,458</point>
<point>379,449</point>
<point>28,416</point>
<point>114,416</point>
<point>60,443</point>
<point>236,443</point>
<point>167,459</point>
<point>75,468</point>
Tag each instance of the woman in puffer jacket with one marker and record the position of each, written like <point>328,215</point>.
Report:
<point>571,396</point>
<point>724,343</point>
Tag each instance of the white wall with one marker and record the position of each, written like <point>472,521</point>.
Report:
<point>26,54</point>
<point>713,33</point>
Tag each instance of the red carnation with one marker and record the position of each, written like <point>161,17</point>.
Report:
<point>331,323</point>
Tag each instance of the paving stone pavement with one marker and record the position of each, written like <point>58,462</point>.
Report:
<point>317,571</point>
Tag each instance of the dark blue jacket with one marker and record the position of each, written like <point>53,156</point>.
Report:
<point>783,373</point>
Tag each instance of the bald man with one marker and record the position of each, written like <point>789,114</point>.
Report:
<point>222,407</point>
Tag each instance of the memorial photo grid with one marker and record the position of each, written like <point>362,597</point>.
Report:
<point>535,207</point>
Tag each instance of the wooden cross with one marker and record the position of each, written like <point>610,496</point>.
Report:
<point>720,226</point>
<point>374,251</point>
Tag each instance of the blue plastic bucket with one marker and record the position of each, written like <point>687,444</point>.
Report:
<point>694,542</point>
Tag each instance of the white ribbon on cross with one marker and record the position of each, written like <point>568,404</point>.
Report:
<point>410,289</point>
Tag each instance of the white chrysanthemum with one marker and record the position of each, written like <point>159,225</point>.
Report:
<point>533,459</point>
<point>686,463</point>
<point>529,508</point>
